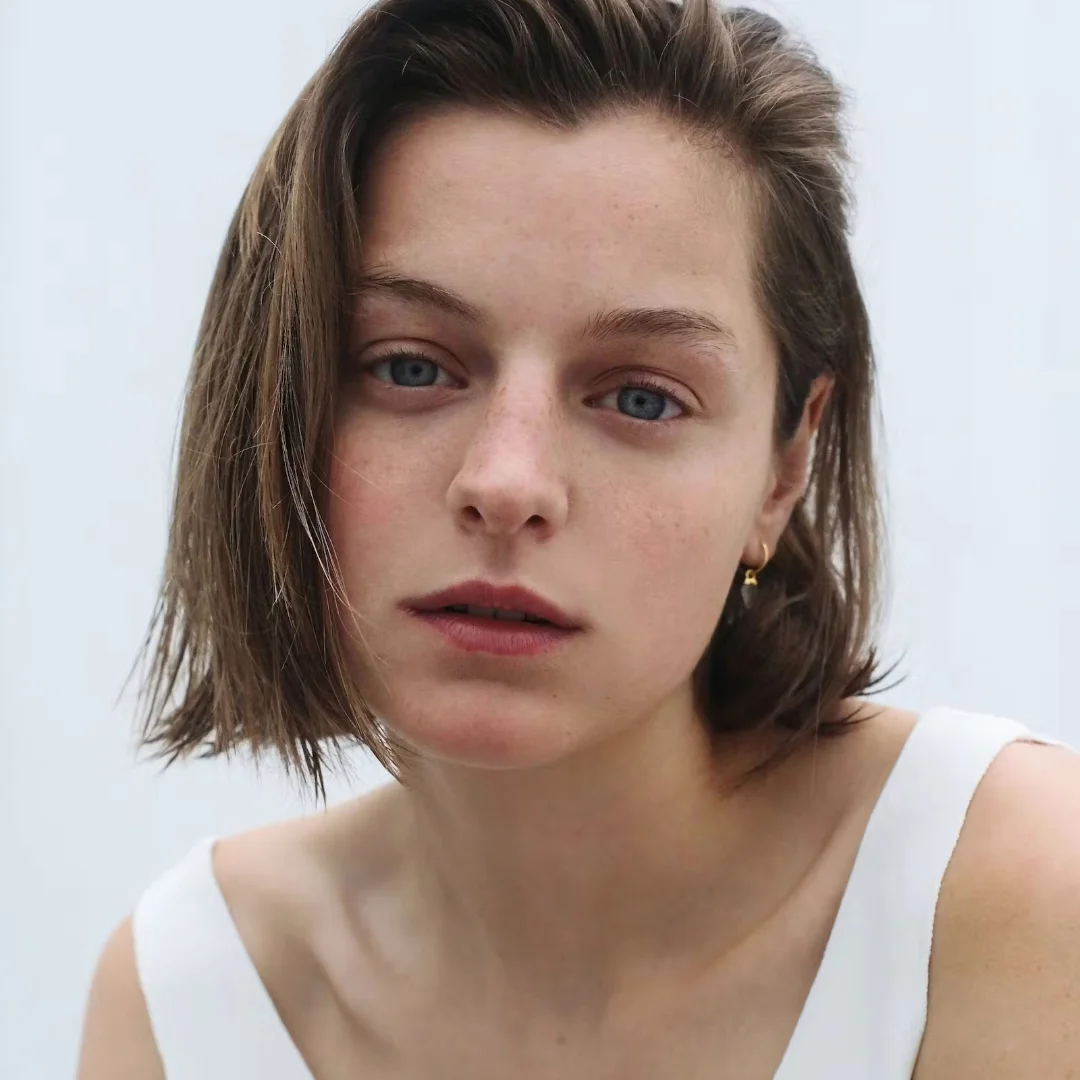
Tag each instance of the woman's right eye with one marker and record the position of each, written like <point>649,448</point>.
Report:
<point>407,370</point>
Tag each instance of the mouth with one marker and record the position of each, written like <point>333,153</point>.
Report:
<point>502,604</point>
<point>482,617</point>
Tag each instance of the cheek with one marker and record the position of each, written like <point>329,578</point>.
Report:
<point>366,512</point>
<point>370,480</point>
<point>672,562</point>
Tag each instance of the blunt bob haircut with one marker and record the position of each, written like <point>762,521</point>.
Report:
<point>245,648</point>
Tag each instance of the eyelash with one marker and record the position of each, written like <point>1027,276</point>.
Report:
<point>638,382</point>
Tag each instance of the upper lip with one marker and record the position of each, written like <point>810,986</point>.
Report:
<point>505,597</point>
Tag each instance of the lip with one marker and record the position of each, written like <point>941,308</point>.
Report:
<point>489,595</point>
<point>474,634</point>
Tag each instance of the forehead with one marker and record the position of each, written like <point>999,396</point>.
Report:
<point>624,209</point>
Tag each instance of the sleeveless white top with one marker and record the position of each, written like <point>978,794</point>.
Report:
<point>213,1019</point>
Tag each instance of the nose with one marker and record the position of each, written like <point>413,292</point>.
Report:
<point>511,477</point>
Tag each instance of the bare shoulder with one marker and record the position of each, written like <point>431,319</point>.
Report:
<point>279,882</point>
<point>117,1039</point>
<point>288,887</point>
<point>1004,999</point>
<point>277,878</point>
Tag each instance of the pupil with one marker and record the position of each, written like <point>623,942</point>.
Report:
<point>637,398</point>
<point>412,371</point>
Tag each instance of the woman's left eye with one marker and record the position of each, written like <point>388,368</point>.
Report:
<point>646,401</point>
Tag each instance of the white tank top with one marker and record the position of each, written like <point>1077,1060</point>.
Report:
<point>213,1019</point>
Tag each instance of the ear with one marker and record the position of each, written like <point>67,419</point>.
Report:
<point>790,474</point>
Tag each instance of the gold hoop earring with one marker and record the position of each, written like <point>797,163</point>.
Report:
<point>750,579</point>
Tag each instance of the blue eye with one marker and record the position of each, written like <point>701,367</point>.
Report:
<point>642,403</point>
<point>645,401</point>
<point>408,370</point>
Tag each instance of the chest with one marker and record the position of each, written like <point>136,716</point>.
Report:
<point>730,1022</point>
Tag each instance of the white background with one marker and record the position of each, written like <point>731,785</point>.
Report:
<point>128,132</point>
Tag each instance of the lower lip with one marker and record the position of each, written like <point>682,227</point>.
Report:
<point>474,633</point>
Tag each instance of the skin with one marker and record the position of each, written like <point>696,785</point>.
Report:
<point>559,889</point>
<point>519,465</point>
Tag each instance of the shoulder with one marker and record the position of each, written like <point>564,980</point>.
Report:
<point>279,883</point>
<point>1004,999</point>
<point>292,888</point>
<point>117,1039</point>
<point>281,880</point>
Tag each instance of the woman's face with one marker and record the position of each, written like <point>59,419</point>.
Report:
<point>506,440</point>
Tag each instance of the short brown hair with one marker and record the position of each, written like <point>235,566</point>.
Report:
<point>244,646</point>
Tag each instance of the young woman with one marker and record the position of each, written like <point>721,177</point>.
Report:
<point>528,443</point>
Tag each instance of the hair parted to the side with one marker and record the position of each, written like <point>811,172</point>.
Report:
<point>244,648</point>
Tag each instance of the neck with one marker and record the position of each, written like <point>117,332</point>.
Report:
<point>562,886</point>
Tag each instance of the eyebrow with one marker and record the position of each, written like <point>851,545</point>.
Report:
<point>652,322</point>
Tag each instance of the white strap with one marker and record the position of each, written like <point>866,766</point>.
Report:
<point>210,1013</point>
<point>866,1011</point>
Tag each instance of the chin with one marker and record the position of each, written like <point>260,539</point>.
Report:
<point>516,738</point>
